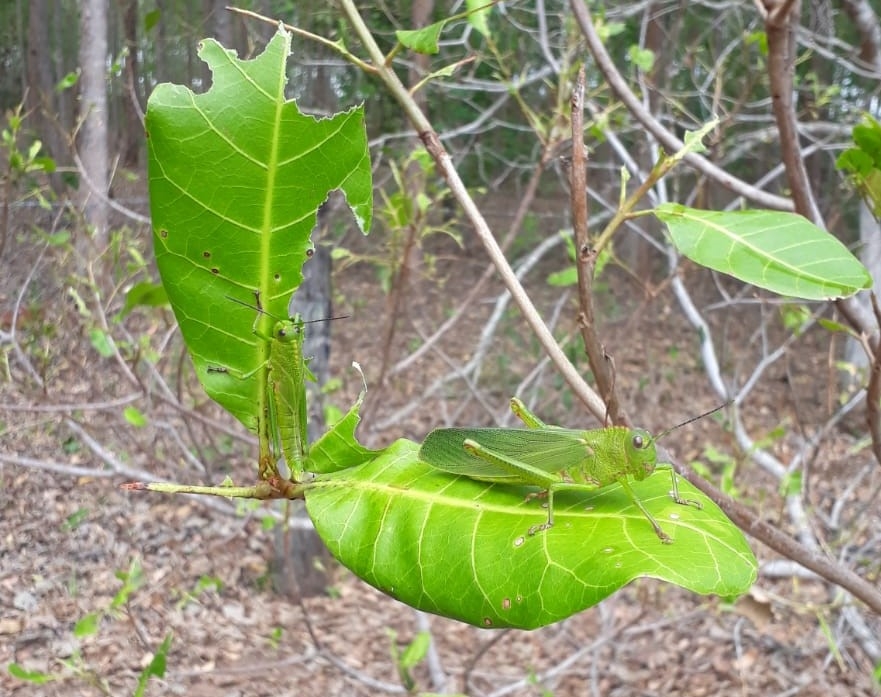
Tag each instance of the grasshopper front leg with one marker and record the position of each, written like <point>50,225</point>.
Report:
<point>663,536</point>
<point>674,494</point>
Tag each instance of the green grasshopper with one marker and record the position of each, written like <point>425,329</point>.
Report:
<point>552,458</point>
<point>281,423</point>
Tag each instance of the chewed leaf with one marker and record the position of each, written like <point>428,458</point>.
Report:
<point>781,252</point>
<point>338,448</point>
<point>237,175</point>
<point>460,548</point>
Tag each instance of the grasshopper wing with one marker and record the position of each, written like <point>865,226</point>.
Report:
<point>551,450</point>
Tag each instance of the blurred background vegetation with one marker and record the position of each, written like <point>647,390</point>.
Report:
<point>96,389</point>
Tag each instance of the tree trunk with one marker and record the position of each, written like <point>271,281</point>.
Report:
<point>131,130</point>
<point>92,145</point>
<point>40,99</point>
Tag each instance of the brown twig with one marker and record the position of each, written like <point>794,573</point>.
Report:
<point>781,59</point>
<point>586,261</point>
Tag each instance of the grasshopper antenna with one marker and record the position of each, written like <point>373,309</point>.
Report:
<point>694,418</point>
<point>259,308</point>
<point>326,319</point>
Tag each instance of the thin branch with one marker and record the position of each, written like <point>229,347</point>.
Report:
<point>781,58</point>
<point>81,406</point>
<point>781,62</point>
<point>867,24</point>
<point>445,166</point>
<point>586,262</point>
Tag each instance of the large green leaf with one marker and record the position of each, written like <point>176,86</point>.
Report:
<point>236,178</point>
<point>781,252</point>
<point>459,548</point>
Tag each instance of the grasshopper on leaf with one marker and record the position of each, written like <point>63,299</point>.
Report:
<point>550,457</point>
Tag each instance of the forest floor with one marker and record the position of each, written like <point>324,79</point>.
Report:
<point>67,536</point>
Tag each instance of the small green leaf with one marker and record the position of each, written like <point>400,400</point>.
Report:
<point>134,416</point>
<point>58,239</point>
<point>863,162</point>
<point>274,637</point>
<point>102,342</point>
<point>478,12</point>
<point>46,164</point>
<point>760,39</point>
<point>566,277</point>
<point>34,150</point>
<point>87,625</point>
<point>423,40</point>
<point>791,484</point>
<point>156,667</point>
<point>151,19</point>
<point>132,580</point>
<point>778,251</point>
<point>72,522</point>
<point>144,294</point>
<point>33,676</point>
<point>415,651</point>
<point>832,326</point>
<point>694,140</point>
<point>608,30</point>
<point>642,58</point>
<point>67,81</point>
<point>795,317</point>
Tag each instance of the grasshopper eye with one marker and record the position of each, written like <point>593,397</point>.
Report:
<point>638,441</point>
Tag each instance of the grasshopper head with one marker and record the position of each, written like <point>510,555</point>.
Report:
<point>641,454</point>
<point>287,330</point>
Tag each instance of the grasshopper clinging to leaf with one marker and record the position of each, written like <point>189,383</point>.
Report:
<point>552,458</point>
